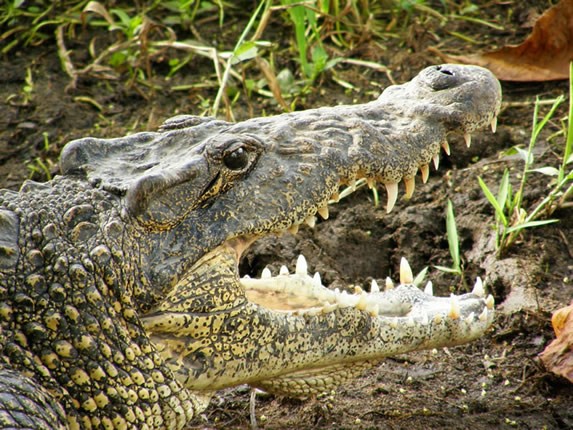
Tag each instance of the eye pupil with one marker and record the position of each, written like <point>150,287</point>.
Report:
<point>236,160</point>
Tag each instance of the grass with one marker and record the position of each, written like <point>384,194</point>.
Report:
<point>512,218</point>
<point>144,35</point>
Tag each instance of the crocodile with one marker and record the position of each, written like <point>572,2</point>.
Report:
<point>121,301</point>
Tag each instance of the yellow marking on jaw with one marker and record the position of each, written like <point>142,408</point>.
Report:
<point>89,405</point>
<point>80,377</point>
<point>65,349</point>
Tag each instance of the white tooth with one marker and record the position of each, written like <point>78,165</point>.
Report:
<point>373,309</point>
<point>312,312</point>
<point>293,229</point>
<point>246,277</point>
<point>337,291</point>
<point>323,212</point>
<point>454,312</point>
<point>468,139</point>
<point>437,319</point>
<point>374,288</point>
<point>283,271</point>
<point>358,289</point>
<point>389,284</point>
<point>393,322</point>
<point>301,266</point>
<point>370,182</point>
<point>478,289</point>
<point>436,160</point>
<point>406,276</point>
<point>310,221</point>
<point>266,273</point>
<point>489,302</point>
<point>410,322</point>
<point>425,169</point>
<point>392,190</point>
<point>352,184</point>
<point>493,124</point>
<point>362,302</point>
<point>429,289</point>
<point>446,147</point>
<point>483,316</point>
<point>425,319</point>
<point>346,299</point>
<point>329,307</point>
<point>316,281</point>
<point>410,185</point>
<point>470,318</point>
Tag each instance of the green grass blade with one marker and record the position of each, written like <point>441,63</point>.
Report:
<point>531,224</point>
<point>452,233</point>
<point>568,154</point>
<point>493,201</point>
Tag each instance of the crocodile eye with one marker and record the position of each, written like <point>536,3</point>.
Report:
<point>237,159</point>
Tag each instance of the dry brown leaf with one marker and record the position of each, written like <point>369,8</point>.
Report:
<point>558,355</point>
<point>543,56</point>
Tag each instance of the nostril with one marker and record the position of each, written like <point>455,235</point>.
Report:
<point>445,71</point>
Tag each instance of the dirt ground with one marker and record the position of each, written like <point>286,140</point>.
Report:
<point>496,382</point>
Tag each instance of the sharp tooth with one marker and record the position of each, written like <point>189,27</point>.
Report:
<point>429,289</point>
<point>425,319</point>
<point>246,277</point>
<point>425,169</point>
<point>410,185</point>
<point>392,190</point>
<point>370,182</point>
<point>493,124</point>
<point>346,299</point>
<point>352,184</point>
<point>468,139</point>
<point>436,160</point>
<point>393,322</point>
<point>358,289</point>
<point>374,288</point>
<point>478,289</point>
<point>293,229</point>
<point>470,318</point>
<point>301,266</point>
<point>266,273</point>
<point>335,197</point>
<point>446,147</point>
<point>454,312</point>
<point>406,276</point>
<point>437,319</point>
<point>362,302</point>
<point>489,302</point>
<point>310,221</point>
<point>410,322</point>
<point>329,307</point>
<point>483,316</point>
<point>283,271</point>
<point>323,212</point>
<point>389,284</point>
<point>316,281</point>
<point>373,310</point>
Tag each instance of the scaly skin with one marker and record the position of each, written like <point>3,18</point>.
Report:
<point>121,304</point>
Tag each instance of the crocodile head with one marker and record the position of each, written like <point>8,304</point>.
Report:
<point>200,191</point>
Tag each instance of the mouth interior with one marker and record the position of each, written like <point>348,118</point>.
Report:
<point>300,293</point>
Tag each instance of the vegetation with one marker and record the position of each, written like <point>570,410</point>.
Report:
<point>511,216</point>
<point>148,43</point>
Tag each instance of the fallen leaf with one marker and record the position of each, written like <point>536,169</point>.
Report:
<point>543,56</point>
<point>558,355</point>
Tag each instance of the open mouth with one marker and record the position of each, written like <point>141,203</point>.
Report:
<point>287,332</point>
<point>298,293</point>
